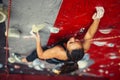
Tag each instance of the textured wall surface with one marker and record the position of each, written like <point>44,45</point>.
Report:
<point>24,14</point>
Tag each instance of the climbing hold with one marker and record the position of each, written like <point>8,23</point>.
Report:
<point>16,66</point>
<point>36,28</point>
<point>38,65</point>
<point>53,29</point>
<point>11,69</point>
<point>105,31</point>
<point>11,60</point>
<point>82,64</point>
<point>1,65</point>
<point>13,32</point>
<point>110,45</point>
<point>3,16</point>
<point>98,43</point>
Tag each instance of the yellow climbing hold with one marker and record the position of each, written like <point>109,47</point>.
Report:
<point>36,28</point>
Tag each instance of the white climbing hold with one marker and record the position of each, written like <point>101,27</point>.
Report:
<point>98,43</point>
<point>13,32</point>
<point>105,31</point>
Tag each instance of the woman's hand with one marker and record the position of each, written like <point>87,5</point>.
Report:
<point>99,14</point>
<point>37,36</point>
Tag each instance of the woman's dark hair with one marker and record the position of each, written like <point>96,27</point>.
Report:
<point>77,54</point>
<point>68,67</point>
<point>72,65</point>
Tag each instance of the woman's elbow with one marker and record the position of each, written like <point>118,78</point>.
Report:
<point>41,57</point>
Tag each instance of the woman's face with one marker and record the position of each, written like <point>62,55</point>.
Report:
<point>73,44</point>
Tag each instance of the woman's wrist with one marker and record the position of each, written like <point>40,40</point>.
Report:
<point>37,40</point>
<point>97,20</point>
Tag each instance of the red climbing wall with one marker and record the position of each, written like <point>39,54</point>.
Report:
<point>75,15</point>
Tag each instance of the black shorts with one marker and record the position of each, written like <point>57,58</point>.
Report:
<point>34,55</point>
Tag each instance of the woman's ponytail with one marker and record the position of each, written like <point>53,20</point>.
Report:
<point>66,67</point>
